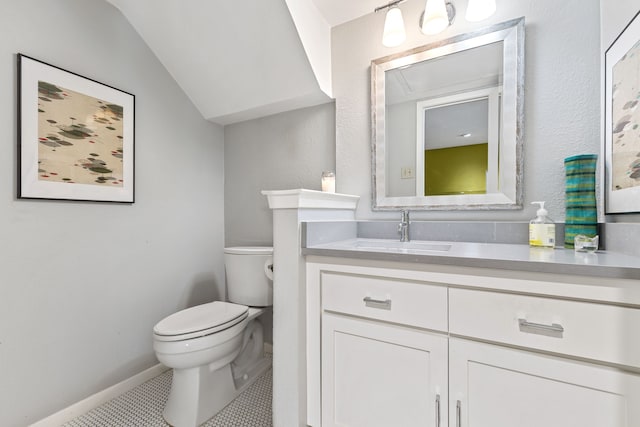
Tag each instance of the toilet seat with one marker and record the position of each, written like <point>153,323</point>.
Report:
<point>199,321</point>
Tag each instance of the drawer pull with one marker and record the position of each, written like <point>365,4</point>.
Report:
<point>437,410</point>
<point>376,303</point>
<point>553,330</point>
<point>458,413</point>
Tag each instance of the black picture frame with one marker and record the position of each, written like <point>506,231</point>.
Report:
<point>622,121</point>
<point>76,136</point>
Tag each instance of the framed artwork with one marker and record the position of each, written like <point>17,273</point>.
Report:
<point>622,121</point>
<point>75,136</point>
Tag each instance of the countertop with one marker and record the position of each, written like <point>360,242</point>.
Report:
<point>516,257</point>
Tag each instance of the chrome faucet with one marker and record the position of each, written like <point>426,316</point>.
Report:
<point>403,227</point>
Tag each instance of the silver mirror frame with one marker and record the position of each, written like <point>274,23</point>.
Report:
<point>511,144</point>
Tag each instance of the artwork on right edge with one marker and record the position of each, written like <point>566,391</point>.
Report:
<point>622,121</point>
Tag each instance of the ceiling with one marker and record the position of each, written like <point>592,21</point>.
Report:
<point>242,59</point>
<point>447,75</point>
<point>337,12</point>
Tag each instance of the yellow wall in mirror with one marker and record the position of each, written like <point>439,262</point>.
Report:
<point>456,170</point>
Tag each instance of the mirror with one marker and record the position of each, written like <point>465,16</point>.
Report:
<point>448,123</point>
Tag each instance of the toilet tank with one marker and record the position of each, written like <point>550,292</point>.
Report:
<point>249,271</point>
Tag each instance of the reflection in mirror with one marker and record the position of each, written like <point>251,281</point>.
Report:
<point>448,123</point>
<point>455,163</point>
<point>457,144</point>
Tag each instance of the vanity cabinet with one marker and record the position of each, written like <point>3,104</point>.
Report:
<point>501,386</point>
<point>498,386</point>
<point>381,366</point>
<point>393,344</point>
<point>380,375</point>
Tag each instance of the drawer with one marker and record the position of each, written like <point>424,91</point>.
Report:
<point>399,301</point>
<point>582,329</point>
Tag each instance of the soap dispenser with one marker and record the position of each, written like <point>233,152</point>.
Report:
<point>542,231</point>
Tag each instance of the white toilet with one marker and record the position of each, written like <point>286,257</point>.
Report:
<point>216,349</point>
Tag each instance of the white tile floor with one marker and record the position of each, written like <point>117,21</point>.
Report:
<point>142,407</point>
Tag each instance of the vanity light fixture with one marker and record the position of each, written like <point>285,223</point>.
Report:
<point>477,10</point>
<point>437,16</point>
<point>394,33</point>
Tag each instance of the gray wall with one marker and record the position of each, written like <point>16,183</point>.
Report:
<point>280,152</point>
<point>82,284</point>
<point>562,107</point>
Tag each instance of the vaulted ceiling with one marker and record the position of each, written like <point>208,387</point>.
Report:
<point>242,59</point>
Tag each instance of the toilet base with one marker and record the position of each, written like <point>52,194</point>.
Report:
<point>250,375</point>
<point>197,394</point>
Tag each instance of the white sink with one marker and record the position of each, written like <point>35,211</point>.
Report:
<point>415,246</point>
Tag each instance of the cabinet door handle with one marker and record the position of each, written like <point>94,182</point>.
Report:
<point>554,329</point>
<point>377,303</point>
<point>458,413</point>
<point>437,410</point>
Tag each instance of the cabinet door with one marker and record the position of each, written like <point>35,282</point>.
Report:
<point>493,386</point>
<point>377,374</point>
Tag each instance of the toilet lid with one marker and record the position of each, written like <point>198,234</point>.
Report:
<point>201,320</point>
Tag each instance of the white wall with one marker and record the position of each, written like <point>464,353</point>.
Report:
<point>403,137</point>
<point>229,56</point>
<point>615,16</point>
<point>82,284</point>
<point>562,96</point>
<point>280,152</point>
<point>315,35</point>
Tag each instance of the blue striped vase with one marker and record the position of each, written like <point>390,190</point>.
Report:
<point>580,197</point>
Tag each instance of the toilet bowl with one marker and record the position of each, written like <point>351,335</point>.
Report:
<point>216,349</point>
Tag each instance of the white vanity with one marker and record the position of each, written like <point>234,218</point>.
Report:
<point>410,338</point>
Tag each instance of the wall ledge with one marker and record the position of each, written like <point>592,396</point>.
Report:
<point>310,199</point>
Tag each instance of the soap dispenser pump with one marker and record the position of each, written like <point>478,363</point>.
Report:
<point>542,231</point>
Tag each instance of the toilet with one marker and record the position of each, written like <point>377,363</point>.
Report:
<point>216,349</point>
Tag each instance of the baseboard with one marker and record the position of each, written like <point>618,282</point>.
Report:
<point>91,402</point>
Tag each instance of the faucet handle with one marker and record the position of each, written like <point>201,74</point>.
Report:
<point>403,227</point>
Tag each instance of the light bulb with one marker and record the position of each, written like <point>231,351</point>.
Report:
<point>394,33</point>
<point>477,10</point>
<point>435,18</point>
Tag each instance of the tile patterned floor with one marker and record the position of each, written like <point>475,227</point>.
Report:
<point>142,407</point>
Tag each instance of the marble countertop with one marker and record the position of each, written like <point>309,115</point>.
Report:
<point>485,255</point>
